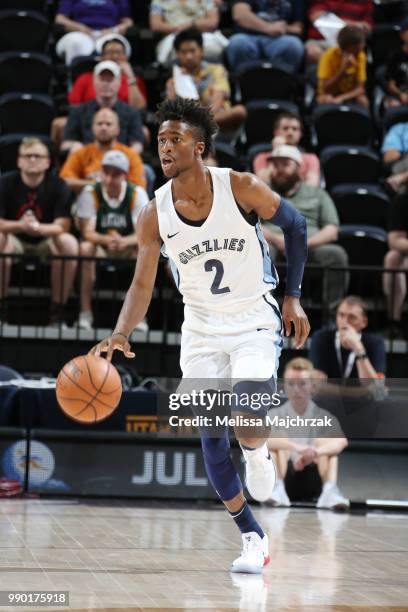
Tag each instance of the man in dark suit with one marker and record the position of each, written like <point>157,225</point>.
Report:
<point>348,351</point>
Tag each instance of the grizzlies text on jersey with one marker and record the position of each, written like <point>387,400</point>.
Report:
<point>222,265</point>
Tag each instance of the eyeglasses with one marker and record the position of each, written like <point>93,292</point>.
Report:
<point>32,156</point>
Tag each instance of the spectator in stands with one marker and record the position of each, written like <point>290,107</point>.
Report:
<point>35,208</point>
<point>78,130</point>
<point>170,16</point>
<point>395,285</point>
<point>342,70</point>
<point>351,12</point>
<point>321,219</point>
<point>210,80</point>
<point>395,156</point>
<point>267,31</point>
<point>348,351</point>
<point>397,72</point>
<point>115,48</point>
<point>83,167</point>
<point>288,130</point>
<point>86,21</point>
<point>106,214</point>
<point>307,466</point>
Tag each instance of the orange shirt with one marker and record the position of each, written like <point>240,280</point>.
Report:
<point>86,163</point>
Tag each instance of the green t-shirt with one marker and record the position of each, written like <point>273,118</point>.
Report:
<point>315,205</point>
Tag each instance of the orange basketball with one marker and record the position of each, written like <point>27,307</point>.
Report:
<point>88,389</point>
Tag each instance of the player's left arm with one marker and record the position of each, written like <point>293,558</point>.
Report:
<point>254,195</point>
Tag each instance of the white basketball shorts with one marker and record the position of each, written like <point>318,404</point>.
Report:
<point>244,346</point>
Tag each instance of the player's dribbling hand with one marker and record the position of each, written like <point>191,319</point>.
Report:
<point>116,342</point>
<point>292,312</point>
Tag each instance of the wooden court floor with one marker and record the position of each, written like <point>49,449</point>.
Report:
<point>169,556</point>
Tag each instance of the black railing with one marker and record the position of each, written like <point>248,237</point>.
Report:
<point>25,312</point>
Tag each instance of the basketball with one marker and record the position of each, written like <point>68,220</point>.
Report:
<point>88,389</point>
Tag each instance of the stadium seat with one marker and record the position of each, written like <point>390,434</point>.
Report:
<point>395,115</point>
<point>25,71</point>
<point>261,117</point>
<point>261,80</point>
<point>343,164</point>
<point>226,155</point>
<point>23,112</point>
<point>384,40</point>
<point>263,147</point>
<point>25,5</point>
<point>9,148</point>
<point>81,64</point>
<point>366,245</point>
<point>390,11</point>
<point>23,31</point>
<point>359,203</point>
<point>347,124</point>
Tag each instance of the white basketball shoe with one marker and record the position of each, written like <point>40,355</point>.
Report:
<point>260,473</point>
<point>254,555</point>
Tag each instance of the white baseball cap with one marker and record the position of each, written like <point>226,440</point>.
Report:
<point>287,151</point>
<point>113,67</point>
<point>116,159</point>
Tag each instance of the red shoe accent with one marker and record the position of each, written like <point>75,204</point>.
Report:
<point>267,560</point>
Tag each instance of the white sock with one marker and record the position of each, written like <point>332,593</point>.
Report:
<point>328,485</point>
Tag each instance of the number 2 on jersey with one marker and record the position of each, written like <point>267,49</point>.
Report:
<point>209,266</point>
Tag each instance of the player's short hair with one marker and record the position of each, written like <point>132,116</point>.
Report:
<point>188,35</point>
<point>350,35</point>
<point>300,364</point>
<point>194,114</point>
<point>286,115</point>
<point>355,300</point>
<point>30,141</point>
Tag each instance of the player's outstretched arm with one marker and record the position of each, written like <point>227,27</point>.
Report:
<point>140,291</point>
<point>254,195</point>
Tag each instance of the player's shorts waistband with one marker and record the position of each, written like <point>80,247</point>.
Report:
<point>207,320</point>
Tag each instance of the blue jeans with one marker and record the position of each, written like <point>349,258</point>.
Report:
<point>285,51</point>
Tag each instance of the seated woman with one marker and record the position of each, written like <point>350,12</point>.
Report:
<point>85,23</point>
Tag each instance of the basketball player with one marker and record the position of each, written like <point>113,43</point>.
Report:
<point>208,220</point>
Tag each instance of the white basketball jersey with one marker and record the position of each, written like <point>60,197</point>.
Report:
<point>222,265</point>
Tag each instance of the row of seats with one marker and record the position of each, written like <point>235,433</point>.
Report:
<point>331,124</point>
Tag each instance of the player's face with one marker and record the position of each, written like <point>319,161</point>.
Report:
<point>350,315</point>
<point>290,130</point>
<point>105,126</point>
<point>34,159</point>
<point>298,386</point>
<point>112,179</point>
<point>178,148</point>
<point>190,55</point>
